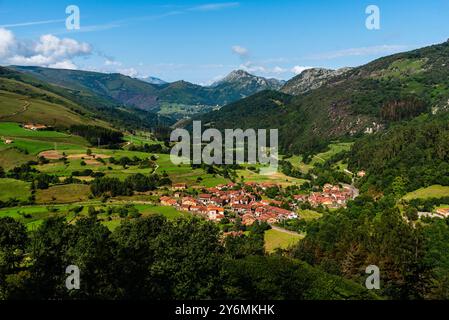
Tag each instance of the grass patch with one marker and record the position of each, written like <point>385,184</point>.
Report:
<point>435,191</point>
<point>11,157</point>
<point>11,188</point>
<point>309,215</point>
<point>168,212</point>
<point>11,129</point>
<point>69,193</point>
<point>277,239</point>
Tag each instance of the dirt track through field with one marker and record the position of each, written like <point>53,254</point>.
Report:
<point>284,230</point>
<point>24,109</point>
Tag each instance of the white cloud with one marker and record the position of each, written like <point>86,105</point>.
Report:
<point>278,70</point>
<point>363,51</point>
<point>252,68</point>
<point>299,69</point>
<point>49,51</point>
<point>52,46</point>
<point>7,41</point>
<point>66,64</point>
<point>31,23</point>
<point>215,6</point>
<point>241,51</point>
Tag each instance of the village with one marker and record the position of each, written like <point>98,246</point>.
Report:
<point>246,202</point>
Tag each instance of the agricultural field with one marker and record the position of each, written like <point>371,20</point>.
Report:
<point>11,157</point>
<point>309,215</point>
<point>12,129</point>
<point>68,193</point>
<point>278,239</point>
<point>168,212</point>
<point>34,142</point>
<point>14,189</point>
<point>277,178</point>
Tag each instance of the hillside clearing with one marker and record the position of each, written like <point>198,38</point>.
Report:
<point>435,191</point>
<point>277,239</point>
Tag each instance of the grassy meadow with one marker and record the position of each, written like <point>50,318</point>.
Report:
<point>277,239</point>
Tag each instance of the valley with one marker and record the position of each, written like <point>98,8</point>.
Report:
<point>362,177</point>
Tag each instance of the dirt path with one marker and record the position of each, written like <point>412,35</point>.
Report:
<point>284,230</point>
<point>24,109</point>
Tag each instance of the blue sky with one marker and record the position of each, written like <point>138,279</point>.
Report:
<point>200,41</point>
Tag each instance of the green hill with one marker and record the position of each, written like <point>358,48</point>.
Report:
<point>83,104</point>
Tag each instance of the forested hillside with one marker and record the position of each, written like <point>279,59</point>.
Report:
<point>406,157</point>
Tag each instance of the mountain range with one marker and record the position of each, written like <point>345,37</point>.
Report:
<point>151,94</point>
<point>319,105</point>
<point>310,110</point>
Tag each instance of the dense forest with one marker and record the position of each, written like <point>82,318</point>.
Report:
<point>406,157</point>
<point>97,135</point>
<point>153,258</point>
<point>413,257</point>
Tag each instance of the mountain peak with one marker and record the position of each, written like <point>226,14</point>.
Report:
<point>311,79</point>
<point>236,75</point>
<point>244,78</point>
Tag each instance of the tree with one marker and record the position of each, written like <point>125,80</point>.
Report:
<point>188,268</point>
<point>412,213</point>
<point>13,240</point>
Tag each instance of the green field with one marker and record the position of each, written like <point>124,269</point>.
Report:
<point>140,140</point>
<point>277,239</point>
<point>34,142</point>
<point>11,157</point>
<point>435,191</point>
<point>69,193</point>
<point>11,129</point>
<point>168,212</point>
<point>38,213</point>
<point>11,188</point>
<point>309,215</point>
<point>32,216</point>
<point>334,148</point>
